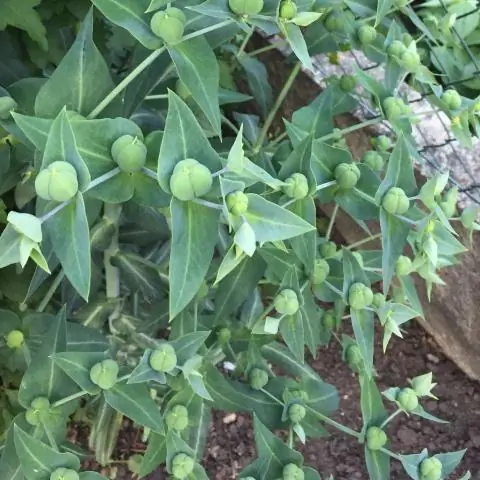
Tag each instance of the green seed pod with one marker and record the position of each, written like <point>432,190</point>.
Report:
<point>15,339</point>
<point>359,258</point>
<point>32,417</point>
<point>296,413</point>
<point>382,143</point>
<point>64,474</point>
<point>295,396</point>
<point>224,335</point>
<point>394,108</point>
<point>354,357</point>
<point>376,438</point>
<point>395,201</point>
<point>379,300</point>
<point>292,472</point>
<point>288,10</point>
<point>410,60</point>
<point>403,266</point>
<point>373,160</point>
<point>334,22</point>
<point>182,465</point>
<point>163,359</point>
<point>347,84</point>
<point>40,404</point>
<point>359,296</point>
<point>7,105</point>
<point>177,418</point>
<point>182,91</point>
<point>329,320</point>
<point>347,175</point>
<point>407,39</point>
<point>237,203</point>
<point>286,302</point>
<point>258,378</point>
<point>38,408</point>
<point>129,153</point>
<point>168,24</point>
<point>57,182</point>
<point>296,186</point>
<point>431,469</point>
<point>321,271</point>
<point>190,179</point>
<point>105,374</point>
<point>407,399</point>
<point>396,49</point>
<point>366,34</point>
<point>246,7</point>
<point>452,99</point>
<point>328,249</point>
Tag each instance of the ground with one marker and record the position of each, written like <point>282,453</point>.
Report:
<point>230,445</point>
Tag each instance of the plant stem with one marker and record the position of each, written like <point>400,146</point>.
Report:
<point>352,128</point>
<point>290,438</point>
<point>331,222</point>
<point>391,454</point>
<point>364,240</point>
<point>322,186</point>
<point>248,36</point>
<point>267,48</point>
<point>281,137</point>
<point>278,103</point>
<point>125,82</point>
<point>333,289</point>
<point>205,203</point>
<point>365,196</point>
<point>51,291</point>
<point>391,417</point>
<point>157,97</point>
<point>70,398</point>
<point>203,31</point>
<point>50,437</point>
<point>273,397</point>
<point>220,172</point>
<point>112,274</point>
<point>333,423</point>
<point>235,129</point>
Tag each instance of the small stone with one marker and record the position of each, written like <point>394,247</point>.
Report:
<point>433,358</point>
<point>230,418</point>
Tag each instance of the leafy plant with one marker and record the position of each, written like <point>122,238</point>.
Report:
<point>153,231</point>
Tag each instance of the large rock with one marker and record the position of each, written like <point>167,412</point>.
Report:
<point>452,316</point>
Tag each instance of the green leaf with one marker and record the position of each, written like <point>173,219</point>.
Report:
<point>237,286</point>
<point>363,324</point>
<point>38,460</point>
<point>394,239</point>
<point>188,345</point>
<point>70,236</point>
<point>183,138</point>
<point>130,15</point>
<point>272,454</point>
<point>271,222</point>
<point>373,411</point>
<point>10,241</point>
<point>257,78</point>
<point>9,461</point>
<point>294,37</point>
<point>411,462</point>
<point>291,328</point>
<point>81,80</point>
<point>61,145</point>
<point>77,366</point>
<point>198,432</point>
<point>303,19</point>
<point>155,454</point>
<point>353,272</point>
<point>135,402</point>
<point>43,377</point>
<point>312,327</point>
<point>118,189</point>
<point>194,236</point>
<point>378,464</point>
<point>197,68</point>
<point>383,9</point>
<point>450,460</point>
<point>23,15</point>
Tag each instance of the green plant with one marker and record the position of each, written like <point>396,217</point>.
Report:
<point>148,236</point>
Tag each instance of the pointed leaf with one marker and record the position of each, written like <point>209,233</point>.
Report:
<point>305,246</point>
<point>155,454</point>
<point>363,324</point>
<point>450,460</point>
<point>378,464</point>
<point>294,37</point>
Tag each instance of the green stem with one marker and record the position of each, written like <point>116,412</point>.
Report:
<point>50,437</point>
<point>70,398</point>
<point>272,46</point>
<point>205,30</point>
<point>273,397</point>
<point>351,129</point>
<point>281,137</point>
<point>235,129</point>
<point>157,97</point>
<point>322,186</point>
<point>331,222</point>
<point>278,103</point>
<point>248,36</point>
<point>364,240</point>
<point>290,438</point>
<point>391,454</point>
<point>125,82</point>
<point>112,274</point>
<point>365,196</point>
<point>333,289</point>
<point>391,417</point>
<point>333,423</point>
<point>51,291</point>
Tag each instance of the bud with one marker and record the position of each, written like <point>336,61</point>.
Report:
<point>286,302</point>
<point>237,203</point>
<point>328,249</point>
<point>403,266</point>
<point>347,175</point>
<point>394,108</point>
<point>373,160</point>
<point>296,186</point>
<point>382,143</point>
<point>296,413</point>
<point>177,418</point>
<point>376,438</point>
<point>395,201</point>
<point>354,357</point>
<point>64,474</point>
<point>407,39</point>
<point>57,182</point>
<point>190,179</point>
<point>163,358</point>
<point>329,320</point>
<point>452,99</point>
<point>321,271</point>
<point>104,374</point>
<point>410,60</point>
<point>168,24</point>
<point>292,472</point>
<point>431,469</point>
<point>396,49</point>
<point>359,296</point>
<point>347,84</point>
<point>15,339</point>
<point>258,378</point>
<point>288,10</point>
<point>407,399</point>
<point>129,153</point>
<point>182,465</point>
<point>224,335</point>
<point>378,300</point>
<point>366,34</point>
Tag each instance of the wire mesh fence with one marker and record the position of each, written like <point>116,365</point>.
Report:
<point>438,147</point>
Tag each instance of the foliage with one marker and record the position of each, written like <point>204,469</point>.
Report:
<point>152,230</point>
